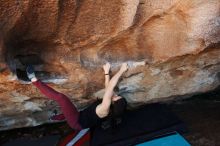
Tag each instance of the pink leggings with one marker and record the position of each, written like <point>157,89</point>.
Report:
<point>69,110</point>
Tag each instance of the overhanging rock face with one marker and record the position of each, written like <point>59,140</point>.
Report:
<point>172,48</point>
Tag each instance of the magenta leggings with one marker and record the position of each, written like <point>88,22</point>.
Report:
<point>69,110</point>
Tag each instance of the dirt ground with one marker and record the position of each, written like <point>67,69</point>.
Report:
<point>201,114</point>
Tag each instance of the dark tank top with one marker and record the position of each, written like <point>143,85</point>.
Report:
<point>88,117</point>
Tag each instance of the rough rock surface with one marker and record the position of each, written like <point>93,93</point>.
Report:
<point>69,41</point>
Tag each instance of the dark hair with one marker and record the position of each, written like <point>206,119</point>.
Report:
<point>116,89</point>
<point>119,107</point>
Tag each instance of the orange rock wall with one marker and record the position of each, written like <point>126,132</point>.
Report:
<point>178,41</point>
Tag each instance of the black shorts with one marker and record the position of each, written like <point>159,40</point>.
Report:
<point>88,117</point>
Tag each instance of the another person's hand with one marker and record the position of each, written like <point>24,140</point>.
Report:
<point>106,68</point>
<point>124,67</point>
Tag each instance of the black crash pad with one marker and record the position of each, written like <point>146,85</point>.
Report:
<point>138,126</point>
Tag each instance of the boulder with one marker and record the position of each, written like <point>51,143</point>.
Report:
<point>172,48</point>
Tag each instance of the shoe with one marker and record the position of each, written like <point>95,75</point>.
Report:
<point>30,72</point>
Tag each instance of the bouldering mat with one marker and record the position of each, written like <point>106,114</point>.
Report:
<point>138,126</point>
<point>174,139</point>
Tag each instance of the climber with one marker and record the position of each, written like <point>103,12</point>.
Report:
<point>97,113</point>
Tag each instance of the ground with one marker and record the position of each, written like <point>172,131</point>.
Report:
<point>202,116</point>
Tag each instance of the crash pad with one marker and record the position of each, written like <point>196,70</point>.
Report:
<point>138,126</point>
<point>174,139</point>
